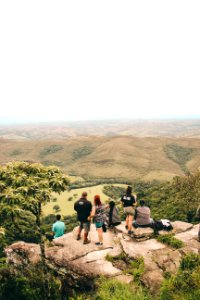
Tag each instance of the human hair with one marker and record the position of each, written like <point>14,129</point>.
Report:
<point>58,217</point>
<point>129,191</point>
<point>142,202</point>
<point>111,205</point>
<point>97,200</point>
<point>84,194</point>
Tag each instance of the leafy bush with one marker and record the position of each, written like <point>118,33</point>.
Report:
<point>190,261</point>
<point>27,284</point>
<point>186,284</point>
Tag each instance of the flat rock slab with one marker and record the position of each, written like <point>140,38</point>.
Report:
<point>179,226</point>
<point>167,259</point>
<point>95,264</point>
<point>138,233</point>
<point>153,280</point>
<point>76,249</point>
<point>187,236</point>
<point>135,249</point>
<point>143,232</point>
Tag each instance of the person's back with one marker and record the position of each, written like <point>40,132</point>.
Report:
<point>83,208</point>
<point>58,227</point>
<point>143,214</point>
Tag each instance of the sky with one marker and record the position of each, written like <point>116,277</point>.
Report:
<point>95,60</point>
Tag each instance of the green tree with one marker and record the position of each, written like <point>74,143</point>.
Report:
<point>25,187</point>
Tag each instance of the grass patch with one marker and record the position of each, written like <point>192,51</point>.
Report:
<point>112,289</point>
<point>170,240</point>
<point>127,265</point>
<point>136,268</point>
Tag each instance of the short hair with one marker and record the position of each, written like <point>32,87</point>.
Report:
<point>58,217</point>
<point>84,194</point>
<point>97,200</point>
<point>142,202</point>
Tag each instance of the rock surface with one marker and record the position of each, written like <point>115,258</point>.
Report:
<point>85,262</point>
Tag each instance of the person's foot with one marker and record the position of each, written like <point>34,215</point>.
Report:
<point>86,242</point>
<point>126,226</point>
<point>99,243</point>
<point>130,232</point>
<point>78,237</point>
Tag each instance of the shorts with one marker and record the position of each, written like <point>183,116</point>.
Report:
<point>129,211</point>
<point>99,224</point>
<point>85,225</point>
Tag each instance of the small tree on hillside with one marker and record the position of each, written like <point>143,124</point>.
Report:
<point>25,187</point>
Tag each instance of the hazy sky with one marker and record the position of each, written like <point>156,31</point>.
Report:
<point>77,60</point>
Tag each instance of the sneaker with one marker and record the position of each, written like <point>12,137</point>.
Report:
<point>99,244</point>
<point>86,242</point>
<point>130,232</point>
<point>78,237</point>
<point>126,226</point>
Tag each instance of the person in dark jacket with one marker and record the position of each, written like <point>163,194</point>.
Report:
<point>83,208</point>
<point>129,201</point>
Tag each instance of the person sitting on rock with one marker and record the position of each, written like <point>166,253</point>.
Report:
<point>112,215</point>
<point>142,216</point>
<point>98,215</point>
<point>129,201</point>
<point>58,227</point>
<point>83,208</point>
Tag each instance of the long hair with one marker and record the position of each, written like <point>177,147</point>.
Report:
<point>97,200</point>
<point>111,205</point>
<point>129,191</point>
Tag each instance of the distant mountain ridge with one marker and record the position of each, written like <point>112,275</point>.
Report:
<point>140,128</point>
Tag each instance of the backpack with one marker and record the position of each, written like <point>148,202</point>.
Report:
<point>163,224</point>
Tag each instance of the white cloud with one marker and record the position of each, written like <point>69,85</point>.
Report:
<point>70,60</point>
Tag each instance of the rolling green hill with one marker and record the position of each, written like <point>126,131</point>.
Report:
<point>119,157</point>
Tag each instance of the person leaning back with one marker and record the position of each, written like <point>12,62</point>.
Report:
<point>83,208</point>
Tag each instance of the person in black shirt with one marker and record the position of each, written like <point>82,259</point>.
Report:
<point>128,202</point>
<point>83,208</point>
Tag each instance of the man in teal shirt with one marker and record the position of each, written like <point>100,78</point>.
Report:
<point>58,227</point>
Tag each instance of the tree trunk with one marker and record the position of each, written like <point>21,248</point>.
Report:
<point>43,257</point>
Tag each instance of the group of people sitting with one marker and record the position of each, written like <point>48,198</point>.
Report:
<point>100,214</point>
